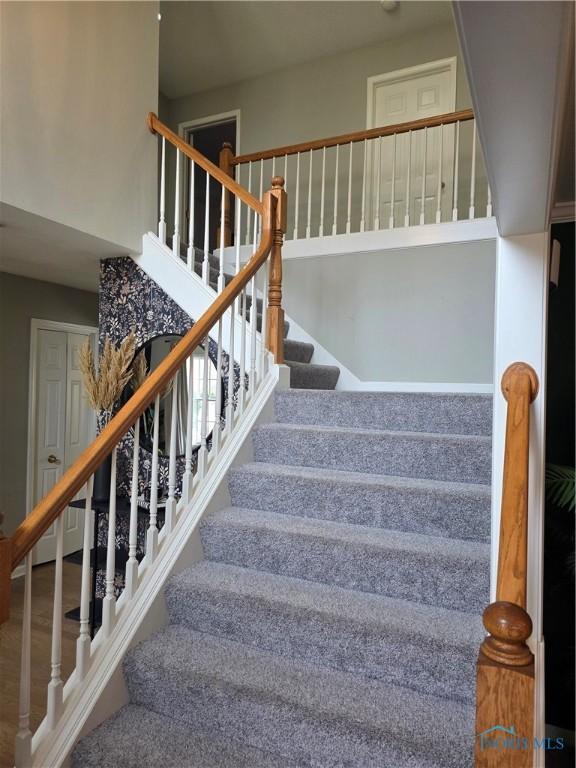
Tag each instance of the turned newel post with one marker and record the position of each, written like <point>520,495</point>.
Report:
<point>275,317</point>
<point>225,163</point>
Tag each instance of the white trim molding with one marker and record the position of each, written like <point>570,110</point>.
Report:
<point>563,212</point>
<point>203,122</point>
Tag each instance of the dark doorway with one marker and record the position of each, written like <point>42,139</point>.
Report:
<point>208,139</point>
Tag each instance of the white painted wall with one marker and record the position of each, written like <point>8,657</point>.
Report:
<point>77,80</point>
<point>413,315</point>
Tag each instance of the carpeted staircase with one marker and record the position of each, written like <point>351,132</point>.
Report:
<point>335,620</point>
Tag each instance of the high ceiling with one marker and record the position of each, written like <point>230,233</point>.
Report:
<point>205,45</point>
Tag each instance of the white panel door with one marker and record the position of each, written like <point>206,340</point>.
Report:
<point>404,96</point>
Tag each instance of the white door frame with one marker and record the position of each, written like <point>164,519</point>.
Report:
<point>203,122</point>
<point>35,327</point>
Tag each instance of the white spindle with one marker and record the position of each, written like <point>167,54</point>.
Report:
<point>378,178</point>
<point>440,169</point>
<point>162,221</point>
<point>109,601</point>
<point>363,207</point>
<point>83,642</point>
<point>131,581</point>
<point>335,219</point>
<point>230,406</point>
<point>473,174</point>
<point>423,190</point>
<point>349,209</point>
<point>203,451</point>
<point>261,192</point>
<point>238,221</point>
<point>456,158</point>
<point>249,209</point>
<point>170,511</point>
<point>23,746</point>
<point>216,431</point>
<point>190,255</point>
<point>206,262</point>
<point>309,216</point>
<point>489,201</point>
<point>322,193</point>
<point>56,686</point>
<point>152,533</point>
<point>408,174</point>
<point>221,262</point>
<point>273,168</point>
<point>297,197</point>
<point>393,185</point>
<point>176,238</point>
<point>188,477</point>
<point>242,389</point>
<point>253,331</point>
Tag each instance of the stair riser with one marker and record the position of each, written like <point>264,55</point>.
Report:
<point>298,352</point>
<point>462,515</point>
<point>396,657</point>
<point>449,458</point>
<point>313,377</point>
<point>456,583</point>
<point>277,726</point>
<point>458,415</point>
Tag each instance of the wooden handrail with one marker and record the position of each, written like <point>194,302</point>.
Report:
<point>46,511</point>
<point>157,126</point>
<point>347,138</point>
<point>505,673</point>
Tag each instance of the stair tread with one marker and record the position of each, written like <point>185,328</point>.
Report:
<point>312,367</point>
<point>188,661</point>
<point>381,538</point>
<point>379,612</point>
<point>137,737</point>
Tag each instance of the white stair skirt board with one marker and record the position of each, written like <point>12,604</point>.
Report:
<point>80,702</point>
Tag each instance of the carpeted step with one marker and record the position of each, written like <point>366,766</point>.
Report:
<point>457,510</point>
<point>367,634</point>
<point>312,716</point>
<point>136,737</point>
<point>448,573</point>
<point>455,458</point>
<point>298,351</point>
<point>459,414</point>
<point>308,376</point>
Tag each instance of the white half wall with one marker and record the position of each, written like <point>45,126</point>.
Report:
<point>422,314</point>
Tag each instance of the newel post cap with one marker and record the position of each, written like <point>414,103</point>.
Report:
<point>514,374</point>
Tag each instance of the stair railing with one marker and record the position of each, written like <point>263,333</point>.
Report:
<point>240,375</point>
<point>505,670</point>
<point>421,172</point>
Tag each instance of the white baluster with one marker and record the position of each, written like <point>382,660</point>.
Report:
<point>423,190</point>
<point>455,201</point>
<point>440,169</point>
<point>190,252</point>
<point>206,262</point>
<point>378,179</point>
<point>221,263</point>
<point>230,406</point>
<point>253,331</point>
<point>170,511</point>
<point>249,209</point>
<point>297,197</point>
<point>349,210</point>
<point>162,221</point>
<point>408,174</point>
<point>203,451</point>
<point>83,642</point>
<point>363,207</point>
<point>56,686</point>
<point>323,193</point>
<point>286,182</point>
<point>131,581</point>
<point>242,389</point>
<point>489,201</point>
<point>23,745</point>
<point>238,221</point>
<point>273,168</point>
<point>309,216</point>
<point>152,533</point>
<point>261,197</point>
<point>188,477</point>
<point>263,331</point>
<point>176,238</point>
<point>109,601</point>
<point>393,185</point>
<point>473,175</point>
<point>335,219</point>
<point>216,431</point>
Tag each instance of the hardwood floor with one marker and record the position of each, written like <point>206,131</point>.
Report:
<point>10,646</point>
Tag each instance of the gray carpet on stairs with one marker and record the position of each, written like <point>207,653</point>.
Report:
<point>336,619</point>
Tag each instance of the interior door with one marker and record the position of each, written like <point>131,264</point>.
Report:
<point>405,96</point>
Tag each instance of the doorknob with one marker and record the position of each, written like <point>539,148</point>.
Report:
<point>53,459</point>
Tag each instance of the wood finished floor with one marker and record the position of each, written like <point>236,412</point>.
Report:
<point>10,646</point>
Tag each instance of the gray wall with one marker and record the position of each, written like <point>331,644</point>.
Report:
<point>22,299</point>
<point>413,315</point>
<point>77,80</point>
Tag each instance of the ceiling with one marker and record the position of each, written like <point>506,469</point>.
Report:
<point>206,45</point>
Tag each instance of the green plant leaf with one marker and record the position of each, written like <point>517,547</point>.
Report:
<point>560,486</point>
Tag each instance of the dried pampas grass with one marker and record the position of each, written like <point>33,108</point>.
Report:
<point>114,372</point>
<point>139,370</point>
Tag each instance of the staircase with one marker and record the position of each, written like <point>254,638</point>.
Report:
<point>335,619</point>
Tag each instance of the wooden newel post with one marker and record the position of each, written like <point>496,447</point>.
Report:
<point>225,164</point>
<point>275,317</point>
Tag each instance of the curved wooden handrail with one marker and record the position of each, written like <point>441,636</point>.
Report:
<point>46,511</point>
<point>347,138</point>
<point>157,126</point>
